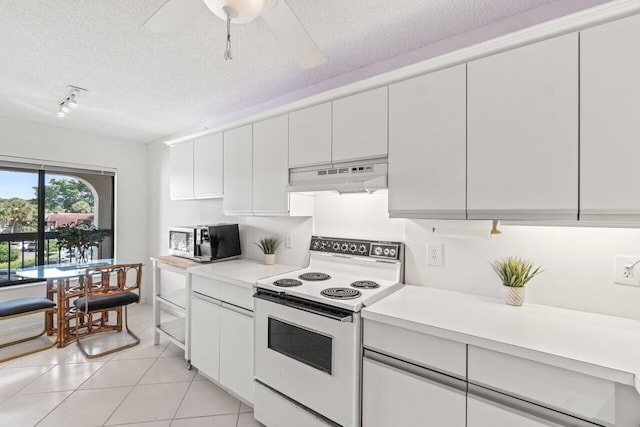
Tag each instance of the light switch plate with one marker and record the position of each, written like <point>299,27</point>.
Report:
<point>288,240</point>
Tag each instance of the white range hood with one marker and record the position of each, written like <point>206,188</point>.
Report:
<point>343,178</point>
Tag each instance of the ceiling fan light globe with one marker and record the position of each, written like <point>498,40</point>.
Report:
<point>240,11</point>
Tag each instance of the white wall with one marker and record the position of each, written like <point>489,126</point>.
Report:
<point>49,143</point>
<point>578,262</point>
<point>301,228</point>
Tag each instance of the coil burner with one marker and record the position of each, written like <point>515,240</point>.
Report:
<point>314,277</point>
<point>365,284</point>
<point>341,293</point>
<point>287,283</point>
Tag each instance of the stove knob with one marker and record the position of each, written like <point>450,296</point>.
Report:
<point>352,248</point>
<point>315,244</point>
<point>386,251</point>
<point>336,246</point>
<point>345,247</point>
<point>392,252</point>
<point>362,249</point>
<point>377,250</point>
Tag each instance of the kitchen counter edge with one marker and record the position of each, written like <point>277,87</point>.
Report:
<point>602,346</point>
<point>241,272</point>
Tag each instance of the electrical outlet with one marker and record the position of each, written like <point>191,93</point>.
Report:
<point>288,240</point>
<point>435,254</point>
<point>627,270</point>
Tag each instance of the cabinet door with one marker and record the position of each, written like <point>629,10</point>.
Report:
<point>392,397</point>
<point>482,413</point>
<point>310,136</point>
<point>609,121</point>
<point>427,146</point>
<point>236,351</point>
<point>523,132</point>
<point>205,337</point>
<point>360,126</point>
<point>207,166</point>
<point>238,170</point>
<point>181,171</point>
<point>270,165</point>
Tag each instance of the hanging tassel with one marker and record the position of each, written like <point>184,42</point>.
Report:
<point>227,51</point>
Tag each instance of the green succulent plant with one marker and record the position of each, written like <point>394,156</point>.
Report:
<point>268,245</point>
<point>515,272</point>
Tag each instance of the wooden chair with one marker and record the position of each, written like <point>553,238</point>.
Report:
<point>24,307</point>
<point>107,290</point>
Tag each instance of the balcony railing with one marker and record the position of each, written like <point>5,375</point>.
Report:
<point>25,246</point>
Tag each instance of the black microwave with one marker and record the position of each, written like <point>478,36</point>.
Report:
<point>205,243</point>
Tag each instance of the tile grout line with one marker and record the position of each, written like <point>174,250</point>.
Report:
<point>132,388</point>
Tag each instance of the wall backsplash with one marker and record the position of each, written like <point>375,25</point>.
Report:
<point>578,261</point>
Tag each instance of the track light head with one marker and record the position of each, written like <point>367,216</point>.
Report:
<point>69,101</point>
<point>73,103</point>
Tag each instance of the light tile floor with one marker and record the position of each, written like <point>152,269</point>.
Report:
<point>145,386</point>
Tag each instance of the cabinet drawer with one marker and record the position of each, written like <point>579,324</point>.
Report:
<point>394,396</point>
<point>273,409</point>
<point>432,352</point>
<point>577,394</point>
<point>223,291</point>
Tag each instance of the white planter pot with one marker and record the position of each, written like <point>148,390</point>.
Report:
<point>513,296</point>
<point>269,259</point>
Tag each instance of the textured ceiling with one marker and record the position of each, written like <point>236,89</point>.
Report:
<point>144,86</point>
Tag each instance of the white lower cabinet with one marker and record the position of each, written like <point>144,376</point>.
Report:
<point>205,335</point>
<point>222,334</point>
<point>396,393</point>
<point>485,413</point>
<point>236,351</point>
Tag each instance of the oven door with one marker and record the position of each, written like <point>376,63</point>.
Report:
<point>309,353</point>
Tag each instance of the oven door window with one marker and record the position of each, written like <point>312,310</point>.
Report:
<point>303,345</point>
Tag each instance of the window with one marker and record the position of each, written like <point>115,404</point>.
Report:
<point>33,203</point>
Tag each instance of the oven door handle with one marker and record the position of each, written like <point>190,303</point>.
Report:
<point>307,306</point>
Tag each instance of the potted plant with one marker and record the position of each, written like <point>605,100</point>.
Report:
<point>268,246</point>
<point>82,237</point>
<point>514,272</point>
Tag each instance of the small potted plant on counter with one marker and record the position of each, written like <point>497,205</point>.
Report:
<point>514,272</point>
<point>268,246</point>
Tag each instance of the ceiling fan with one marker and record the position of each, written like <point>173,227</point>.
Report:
<point>176,15</point>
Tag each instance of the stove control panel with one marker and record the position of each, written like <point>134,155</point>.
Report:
<point>363,248</point>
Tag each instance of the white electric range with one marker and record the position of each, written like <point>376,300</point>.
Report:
<point>308,332</point>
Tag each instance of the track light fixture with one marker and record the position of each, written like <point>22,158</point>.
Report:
<point>69,101</point>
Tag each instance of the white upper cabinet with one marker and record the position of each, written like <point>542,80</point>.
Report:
<point>208,166</point>
<point>610,121</point>
<point>195,170</point>
<point>310,136</point>
<point>427,146</point>
<point>238,171</point>
<point>360,126</point>
<point>523,133</point>
<point>181,171</point>
<point>270,165</point>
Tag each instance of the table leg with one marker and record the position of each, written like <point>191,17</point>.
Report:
<point>48,317</point>
<point>62,309</point>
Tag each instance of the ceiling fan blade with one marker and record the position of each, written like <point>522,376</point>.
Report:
<point>175,16</point>
<point>291,34</point>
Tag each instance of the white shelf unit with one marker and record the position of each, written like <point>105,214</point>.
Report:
<point>171,305</point>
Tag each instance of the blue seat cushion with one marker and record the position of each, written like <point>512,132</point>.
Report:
<point>109,301</point>
<point>24,305</point>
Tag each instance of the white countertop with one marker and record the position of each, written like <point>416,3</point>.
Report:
<point>241,272</point>
<point>602,346</point>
